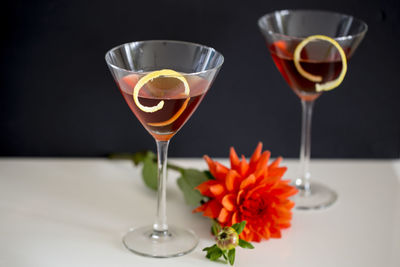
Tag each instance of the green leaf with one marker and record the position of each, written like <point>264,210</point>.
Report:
<point>245,244</point>
<point>192,196</point>
<point>210,248</point>
<point>190,178</point>
<point>239,227</point>
<point>224,254</point>
<point>194,177</point>
<point>213,252</point>
<point>209,175</point>
<point>215,228</point>
<point>142,156</point>
<point>231,256</point>
<point>149,173</point>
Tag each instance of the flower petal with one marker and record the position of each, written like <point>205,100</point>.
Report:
<point>210,163</point>
<point>235,218</point>
<point>289,205</point>
<point>282,214</point>
<point>275,233</point>
<point>204,188</point>
<point>200,208</point>
<point>239,197</point>
<point>283,190</point>
<point>234,159</point>
<point>243,167</point>
<point>232,180</point>
<point>269,181</point>
<point>284,226</point>
<point>217,170</point>
<point>224,216</point>
<point>246,235</point>
<point>263,159</point>
<point>256,154</point>
<point>254,189</point>
<point>228,201</point>
<point>266,233</point>
<point>250,180</point>
<point>275,163</point>
<point>220,171</point>
<point>256,235</point>
<point>212,209</point>
<point>277,172</point>
<point>261,172</point>
<point>217,190</point>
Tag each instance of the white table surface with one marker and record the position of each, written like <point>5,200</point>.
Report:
<point>74,212</point>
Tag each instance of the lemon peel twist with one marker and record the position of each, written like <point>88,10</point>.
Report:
<point>173,118</point>
<point>153,75</point>
<point>319,87</point>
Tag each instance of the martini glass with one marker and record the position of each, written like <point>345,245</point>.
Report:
<point>283,31</point>
<point>163,82</point>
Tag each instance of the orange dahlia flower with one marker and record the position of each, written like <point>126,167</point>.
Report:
<point>249,191</point>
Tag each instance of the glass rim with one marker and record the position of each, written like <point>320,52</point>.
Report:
<point>218,66</point>
<point>339,38</point>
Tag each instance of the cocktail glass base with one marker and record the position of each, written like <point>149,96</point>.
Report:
<point>319,197</point>
<point>165,244</point>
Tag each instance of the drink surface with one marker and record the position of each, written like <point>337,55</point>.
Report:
<point>318,62</point>
<point>176,104</point>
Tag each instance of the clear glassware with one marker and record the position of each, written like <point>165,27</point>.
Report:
<point>283,31</point>
<point>176,94</point>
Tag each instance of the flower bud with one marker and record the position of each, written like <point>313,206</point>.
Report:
<point>227,238</point>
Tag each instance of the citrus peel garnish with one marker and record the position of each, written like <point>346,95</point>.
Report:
<point>153,75</point>
<point>150,76</point>
<point>173,118</point>
<point>319,87</point>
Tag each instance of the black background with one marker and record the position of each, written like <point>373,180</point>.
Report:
<point>58,97</point>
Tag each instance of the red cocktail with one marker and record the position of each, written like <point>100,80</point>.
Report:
<point>177,109</point>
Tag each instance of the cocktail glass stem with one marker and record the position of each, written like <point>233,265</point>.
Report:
<point>303,181</point>
<point>160,225</point>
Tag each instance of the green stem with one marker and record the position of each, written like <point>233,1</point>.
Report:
<point>175,167</point>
